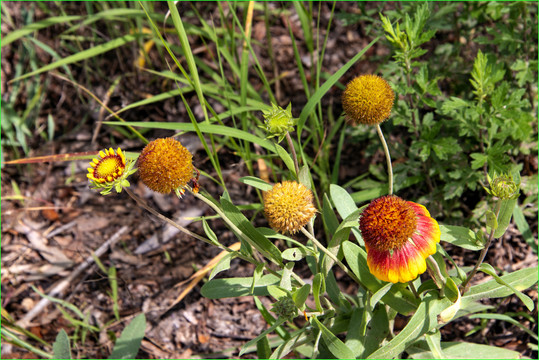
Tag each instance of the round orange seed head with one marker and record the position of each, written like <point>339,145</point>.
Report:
<point>165,165</point>
<point>289,206</point>
<point>367,99</point>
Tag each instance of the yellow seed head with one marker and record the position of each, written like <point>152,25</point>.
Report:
<point>289,206</point>
<point>165,165</point>
<point>367,99</point>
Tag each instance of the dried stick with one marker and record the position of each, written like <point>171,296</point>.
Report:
<point>25,321</point>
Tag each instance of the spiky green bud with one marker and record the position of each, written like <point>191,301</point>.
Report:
<point>503,187</point>
<point>278,121</point>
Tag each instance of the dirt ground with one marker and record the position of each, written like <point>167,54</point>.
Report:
<point>59,221</point>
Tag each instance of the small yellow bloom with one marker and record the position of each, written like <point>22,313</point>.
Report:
<point>165,165</point>
<point>289,206</point>
<point>110,171</point>
<point>109,167</point>
<point>368,100</point>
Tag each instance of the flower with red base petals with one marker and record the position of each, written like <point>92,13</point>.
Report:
<point>399,235</point>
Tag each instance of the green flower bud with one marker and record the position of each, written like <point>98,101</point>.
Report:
<point>285,308</point>
<point>278,121</point>
<point>503,187</point>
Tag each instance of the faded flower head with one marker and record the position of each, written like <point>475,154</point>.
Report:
<point>109,171</point>
<point>368,100</point>
<point>278,121</point>
<point>399,235</point>
<point>165,165</point>
<point>504,187</point>
<point>289,206</point>
<point>285,308</point>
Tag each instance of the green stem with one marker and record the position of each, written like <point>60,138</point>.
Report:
<point>293,151</point>
<point>239,232</point>
<point>331,256</point>
<point>388,158</point>
<point>412,288</point>
<point>466,284</point>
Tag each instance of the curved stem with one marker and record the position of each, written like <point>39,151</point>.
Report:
<point>466,284</point>
<point>388,158</point>
<point>331,256</point>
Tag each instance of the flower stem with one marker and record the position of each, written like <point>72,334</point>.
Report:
<point>412,288</point>
<point>388,158</point>
<point>145,206</point>
<point>331,256</point>
<point>466,284</point>
<point>293,151</point>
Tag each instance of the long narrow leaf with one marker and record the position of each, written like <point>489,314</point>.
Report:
<point>83,55</point>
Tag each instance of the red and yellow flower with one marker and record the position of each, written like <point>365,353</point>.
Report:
<point>109,170</point>
<point>399,235</point>
<point>108,167</point>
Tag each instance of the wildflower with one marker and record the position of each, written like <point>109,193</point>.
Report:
<point>504,186</point>
<point>289,206</point>
<point>278,121</point>
<point>399,235</point>
<point>109,171</point>
<point>368,100</point>
<point>165,165</point>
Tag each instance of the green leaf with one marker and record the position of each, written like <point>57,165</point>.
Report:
<point>507,318</point>
<point>206,129</point>
<point>286,158</point>
<point>492,222</point>
<point>463,350</point>
<point>235,287</point>
<point>294,254</point>
<point>209,233</point>
<point>61,347</point>
<point>83,55</point>
<point>377,296</point>
<point>424,320</point>
<point>301,295</point>
<point>333,343</point>
<point>285,277</point>
<point>504,216</point>
<point>488,269</point>
<point>30,28</point>
<point>342,200</point>
<point>453,294</point>
<point>453,104</point>
<point>524,228</point>
<point>433,341</point>
<point>520,280</point>
<point>318,290</point>
<point>341,234</point>
<point>128,343</point>
<point>222,265</point>
<point>256,183</point>
<point>263,349</point>
<point>459,236</point>
<point>304,176</point>
<point>252,235</point>
<point>478,160</point>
